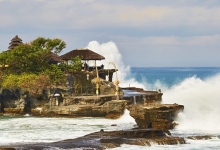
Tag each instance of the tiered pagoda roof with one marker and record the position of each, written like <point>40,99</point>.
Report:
<point>84,54</point>
<point>14,42</point>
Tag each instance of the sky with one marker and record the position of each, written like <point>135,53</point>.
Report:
<point>158,33</point>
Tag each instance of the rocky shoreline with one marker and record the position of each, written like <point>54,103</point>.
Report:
<point>154,120</point>
<point>111,139</point>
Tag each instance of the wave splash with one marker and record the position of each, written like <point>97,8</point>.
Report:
<point>201,99</point>
<point>112,54</point>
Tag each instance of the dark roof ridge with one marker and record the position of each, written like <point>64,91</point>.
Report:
<point>84,54</point>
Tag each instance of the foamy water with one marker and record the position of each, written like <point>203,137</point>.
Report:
<point>33,130</point>
<point>201,99</point>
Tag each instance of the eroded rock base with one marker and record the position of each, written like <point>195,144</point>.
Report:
<point>157,116</point>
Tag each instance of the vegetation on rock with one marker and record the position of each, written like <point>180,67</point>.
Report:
<point>31,57</point>
<point>27,82</point>
<point>27,67</point>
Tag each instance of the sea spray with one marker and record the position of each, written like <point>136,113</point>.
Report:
<point>111,53</point>
<point>126,78</point>
<point>126,118</point>
<point>201,99</point>
<point>199,96</point>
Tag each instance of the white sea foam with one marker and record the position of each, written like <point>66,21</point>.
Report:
<point>32,129</point>
<point>112,54</point>
<point>201,99</point>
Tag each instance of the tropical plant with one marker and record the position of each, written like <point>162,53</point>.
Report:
<point>31,83</point>
<point>73,65</point>
<point>32,57</point>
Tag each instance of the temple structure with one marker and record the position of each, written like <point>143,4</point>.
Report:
<point>51,57</point>
<point>87,55</point>
<point>84,54</point>
<point>15,42</point>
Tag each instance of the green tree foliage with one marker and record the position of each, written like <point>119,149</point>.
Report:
<point>74,65</point>
<point>81,84</point>
<point>55,73</point>
<point>32,57</point>
<point>52,45</point>
<point>32,83</point>
<point>11,82</point>
<point>27,67</point>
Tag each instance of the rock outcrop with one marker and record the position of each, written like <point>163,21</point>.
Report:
<point>157,116</point>
<point>140,96</point>
<point>110,139</point>
<point>110,109</point>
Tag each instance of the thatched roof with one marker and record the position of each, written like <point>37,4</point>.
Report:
<point>84,54</point>
<point>54,58</point>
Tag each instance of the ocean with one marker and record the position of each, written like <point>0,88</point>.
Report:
<point>197,88</point>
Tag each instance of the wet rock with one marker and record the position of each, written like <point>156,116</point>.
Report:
<point>111,139</point>
<point>202,137</point>
<point>157,116</point>
<point>110,109</point>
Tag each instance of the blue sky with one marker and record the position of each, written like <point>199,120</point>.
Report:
<point>159,33</point>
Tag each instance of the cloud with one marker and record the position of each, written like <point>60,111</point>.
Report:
<point>6,20</point>
<point>171,41</point>
<point>147,27</point>
<point>87,1</point>
<point>170,51</point>
<point>95,14</point>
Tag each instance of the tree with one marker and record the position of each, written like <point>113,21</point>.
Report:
<point>55,73</point>
<point>74,65</point>
<point>34,84</point>
<point>27,68</point>
<point>31,83</point>
<point>52,45</point>
<point>31,57</point>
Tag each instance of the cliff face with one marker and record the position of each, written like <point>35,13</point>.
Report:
<point>157,116</point>
<point>144,107</point>
<point>109,109</point>
<point>153,119</point>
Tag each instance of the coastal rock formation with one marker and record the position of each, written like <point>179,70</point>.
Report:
<point>141,96</point>
<point>157,116</point>
<point>110,139</point>
<point>110,109</point>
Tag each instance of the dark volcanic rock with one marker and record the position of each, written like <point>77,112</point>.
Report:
<point>110,139</point>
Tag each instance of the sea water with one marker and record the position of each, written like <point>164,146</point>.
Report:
<point>28,129</point>
<point>195,88</point>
